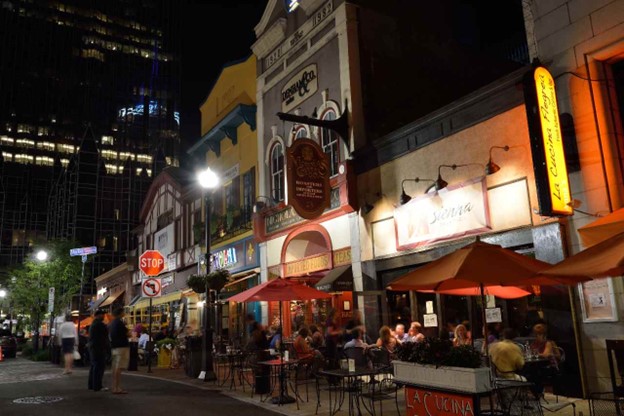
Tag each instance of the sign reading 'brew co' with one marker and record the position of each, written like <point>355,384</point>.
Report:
<point>307,175</point>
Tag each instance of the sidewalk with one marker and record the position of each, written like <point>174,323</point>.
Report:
<point>309,408</point>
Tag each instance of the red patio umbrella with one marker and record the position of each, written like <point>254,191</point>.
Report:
<point>280,290</point>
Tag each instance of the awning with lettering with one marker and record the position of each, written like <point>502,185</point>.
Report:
<point>98,302</point>
<point>339,279</point>
<point>112,298</point>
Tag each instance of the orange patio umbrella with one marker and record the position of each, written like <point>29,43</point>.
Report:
<point>601,260</point>
<point>603,228</point>
<point>477,265</point>
<point>88,320</point>
<point>503,292</point>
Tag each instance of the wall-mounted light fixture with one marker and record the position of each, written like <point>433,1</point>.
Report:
<point>263,202</point>
<point>491,167</point>
<point>440,183</point>
<point>405,198</point>
<point>368,207</point>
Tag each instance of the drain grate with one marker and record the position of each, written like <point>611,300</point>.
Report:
<point>38,400</point>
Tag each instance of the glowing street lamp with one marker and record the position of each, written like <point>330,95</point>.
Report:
<point>208,180</point>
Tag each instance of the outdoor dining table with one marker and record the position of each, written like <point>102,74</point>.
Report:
<point>234,359</point>
<point>279,370</point>
<point>349,382</point>
<point>535,371</point>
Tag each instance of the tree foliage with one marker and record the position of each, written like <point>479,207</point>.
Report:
<point>33,279</point>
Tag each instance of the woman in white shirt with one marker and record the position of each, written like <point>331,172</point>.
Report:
<point>69,339</point>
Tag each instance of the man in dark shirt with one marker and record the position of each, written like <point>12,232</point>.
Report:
<point>120,349</point>
<point>98,349</point>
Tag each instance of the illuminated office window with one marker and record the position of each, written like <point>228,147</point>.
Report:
<point>8,157</point>
<point>65,148</point>
<point>44,161</point>
<point>46,146</point>
<point>65,162</point>
<point>26,143</point>
<point>25,159</point>
<point>109,154</point>
<point>108,140</point>
<point>7,141</point>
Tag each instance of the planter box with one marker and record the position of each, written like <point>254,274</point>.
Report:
<point>469,380</point>
<point>164,358</point>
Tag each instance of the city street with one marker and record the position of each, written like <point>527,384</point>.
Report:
<point>23,382</point>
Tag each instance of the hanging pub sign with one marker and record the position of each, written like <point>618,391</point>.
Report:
<point>307,177</point>
<point>549,163</point>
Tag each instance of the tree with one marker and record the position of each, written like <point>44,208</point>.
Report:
<point>34,278</point>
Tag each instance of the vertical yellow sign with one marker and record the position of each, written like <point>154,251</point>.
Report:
<point>553,144</point>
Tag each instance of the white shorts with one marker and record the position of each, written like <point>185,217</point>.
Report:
<point>121,358</point>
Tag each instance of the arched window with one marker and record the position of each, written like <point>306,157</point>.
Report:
<point>329,143</point>
<point>301,133</point>
<point>277,172</point>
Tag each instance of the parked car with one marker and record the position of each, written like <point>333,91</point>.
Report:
<point>8,342</point>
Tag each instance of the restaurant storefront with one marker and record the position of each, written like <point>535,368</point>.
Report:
<point>305,69</point>
<point>415,221</point>
<point>242,260</point>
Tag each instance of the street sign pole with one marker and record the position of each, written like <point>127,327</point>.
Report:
<point>84,260</point>
<point>149,340</point>
<point>83,252</point>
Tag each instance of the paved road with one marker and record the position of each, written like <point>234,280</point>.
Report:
<point>20,379</point>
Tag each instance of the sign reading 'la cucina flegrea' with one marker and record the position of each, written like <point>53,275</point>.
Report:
<point>307,176</point>
<point>549,162</point>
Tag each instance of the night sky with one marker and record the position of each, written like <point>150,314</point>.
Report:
<point>213,33</point>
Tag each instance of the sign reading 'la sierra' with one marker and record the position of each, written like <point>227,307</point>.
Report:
<point>299,88</point>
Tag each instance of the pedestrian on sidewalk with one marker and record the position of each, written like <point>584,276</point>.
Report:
<point>120,348</point>
<point>98,346</point>
<point>69,342</point>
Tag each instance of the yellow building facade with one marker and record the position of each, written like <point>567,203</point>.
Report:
<point>228,145</point>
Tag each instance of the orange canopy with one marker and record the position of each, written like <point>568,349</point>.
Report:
<point>603,228</point>
<point>475,265</point>
<point>503,292</point>
<point>602,260</point>
<point>87,321</point>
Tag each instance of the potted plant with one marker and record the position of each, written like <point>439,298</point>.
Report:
<point>436,363</point>
<point>215,279</point>
<point>164,349</point>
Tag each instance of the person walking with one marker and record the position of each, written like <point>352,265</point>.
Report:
<point>98,349</point>
<point>69,342</point>
<point>120,348</point>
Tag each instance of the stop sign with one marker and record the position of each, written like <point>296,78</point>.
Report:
<point>151,262</point>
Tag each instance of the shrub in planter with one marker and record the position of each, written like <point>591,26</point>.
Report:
<point>216,280</point>
<point>439,352</point>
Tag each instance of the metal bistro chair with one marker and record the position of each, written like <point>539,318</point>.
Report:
<point>382,388</point>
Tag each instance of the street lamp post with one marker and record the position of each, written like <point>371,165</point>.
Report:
<point>42,256</point>
<point>208,180</point>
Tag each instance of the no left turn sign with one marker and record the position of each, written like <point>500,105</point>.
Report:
<point>151,287</point>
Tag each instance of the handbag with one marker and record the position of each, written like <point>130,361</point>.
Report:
<point>76,355</point>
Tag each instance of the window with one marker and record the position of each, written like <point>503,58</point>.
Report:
<point>232,194</point>
<point>277,172</point>
<point>249,193</point>
<point>108,140</point>
<point>329,143</point>
<point>44,161</point>
<point>301,133</point>
<point>115,243</point>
